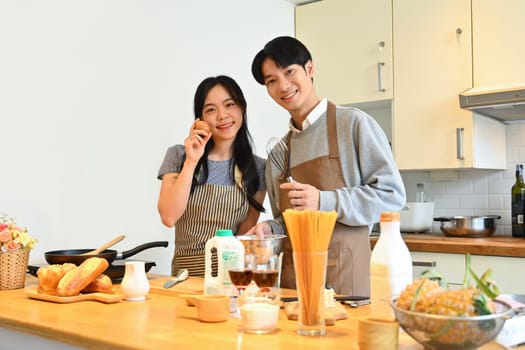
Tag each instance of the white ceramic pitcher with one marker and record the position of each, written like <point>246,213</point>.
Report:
<point>135,284</point>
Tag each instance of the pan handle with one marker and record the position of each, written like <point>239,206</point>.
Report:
<point>127,253</point>
<point>493,216</point>
<point>443,219</point>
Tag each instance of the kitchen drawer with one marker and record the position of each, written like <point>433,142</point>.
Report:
<point>450,266</point>
<point>507,272</point>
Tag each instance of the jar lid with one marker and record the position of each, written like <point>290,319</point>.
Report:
<point>223,233</point>
<point>389,216</point>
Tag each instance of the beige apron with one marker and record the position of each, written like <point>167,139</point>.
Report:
<point>348,270</point>
<point>210,208</point>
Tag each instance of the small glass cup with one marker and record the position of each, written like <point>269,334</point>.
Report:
<point>310,276</point>
<point>259,312</point>
<point>241,278</point>
<point>266,271</point>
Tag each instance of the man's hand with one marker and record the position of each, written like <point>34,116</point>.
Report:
<point>302,196</point>
<point>260,230</point>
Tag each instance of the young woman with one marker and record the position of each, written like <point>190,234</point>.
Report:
<point>213,181</point>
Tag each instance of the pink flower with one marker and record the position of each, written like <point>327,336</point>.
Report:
<point>5,236</point>
<point>13,237</point>
<point>12,245</point>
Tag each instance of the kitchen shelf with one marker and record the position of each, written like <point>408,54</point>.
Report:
<point>503,246</point>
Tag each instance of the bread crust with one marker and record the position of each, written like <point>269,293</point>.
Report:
<point>101,284</point>
<point>81,276</point>
<point>49,276</point>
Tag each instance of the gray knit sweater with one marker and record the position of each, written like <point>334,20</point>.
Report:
<point>373,180</point>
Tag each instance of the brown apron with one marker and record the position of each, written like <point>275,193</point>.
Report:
<point>348,268</point>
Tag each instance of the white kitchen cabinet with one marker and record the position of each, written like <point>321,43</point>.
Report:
<point>498,50</point>
<point>351,47</point>
<point>432,65</point>
<point>450,266</point>
<point>506,271</point>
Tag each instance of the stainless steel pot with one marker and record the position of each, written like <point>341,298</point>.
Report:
<point>468,226</point>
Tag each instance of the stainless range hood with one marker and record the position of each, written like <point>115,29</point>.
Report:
<point>505,103</point>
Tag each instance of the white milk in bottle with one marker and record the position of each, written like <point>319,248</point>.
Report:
<point>230,254</point>
<point>390,267</point>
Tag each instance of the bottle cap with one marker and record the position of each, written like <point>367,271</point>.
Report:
<point>389,216</point>
<point>223,233</point>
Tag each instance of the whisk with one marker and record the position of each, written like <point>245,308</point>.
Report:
<point>278,154</point>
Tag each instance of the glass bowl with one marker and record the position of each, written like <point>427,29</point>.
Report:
<point>442,332</point>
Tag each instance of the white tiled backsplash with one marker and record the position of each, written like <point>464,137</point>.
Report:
<point>473,192</point>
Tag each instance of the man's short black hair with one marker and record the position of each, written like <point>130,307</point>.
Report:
<point>284,51</point>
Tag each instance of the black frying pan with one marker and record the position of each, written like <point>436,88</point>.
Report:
<point>74,255</point>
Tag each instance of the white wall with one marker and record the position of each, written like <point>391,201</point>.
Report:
<point>93,92</point>
<point>474,192</point>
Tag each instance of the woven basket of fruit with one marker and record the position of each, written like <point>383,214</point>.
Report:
<point>442,318</point>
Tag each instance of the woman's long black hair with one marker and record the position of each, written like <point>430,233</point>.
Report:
<point>242,146</point>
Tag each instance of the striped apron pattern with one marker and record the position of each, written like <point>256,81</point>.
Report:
<point>210,207</point>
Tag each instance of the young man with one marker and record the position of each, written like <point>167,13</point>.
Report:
<point>339,159</point>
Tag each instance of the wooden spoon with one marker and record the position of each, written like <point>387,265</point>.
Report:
<point>105,246</point>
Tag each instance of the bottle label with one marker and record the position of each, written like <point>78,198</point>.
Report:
<point>518,206</point>
<point>230,260</point>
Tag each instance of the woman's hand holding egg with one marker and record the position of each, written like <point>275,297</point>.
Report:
<point>201,125</point>
<point>196,141</point>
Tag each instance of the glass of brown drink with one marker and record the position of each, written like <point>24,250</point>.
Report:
<point>265,271</point>
<point>241,277</point>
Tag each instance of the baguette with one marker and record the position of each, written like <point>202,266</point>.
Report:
<point>101,284</point>
<point>81,276</point>
<point>49,276</point>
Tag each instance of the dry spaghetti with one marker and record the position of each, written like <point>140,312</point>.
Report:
<point>309,230</point>
<point>310,233</point>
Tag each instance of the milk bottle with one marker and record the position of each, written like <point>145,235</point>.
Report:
<point>230,254</point>
<point>390,267</point>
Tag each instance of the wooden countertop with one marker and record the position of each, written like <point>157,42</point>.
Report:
<point>163,321</point>
<point>439,243</point>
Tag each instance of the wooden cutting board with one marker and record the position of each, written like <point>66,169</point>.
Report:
<point>31,292</point>
<point>193,285</point>
<point>331,314</point>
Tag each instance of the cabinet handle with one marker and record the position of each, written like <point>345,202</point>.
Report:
<point>459,143</point>
<point>380,76</point>
<point>424,263</point>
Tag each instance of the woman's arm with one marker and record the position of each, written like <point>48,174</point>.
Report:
<point>176,187</point>
<point>174,194</point>
<point>253,214</point>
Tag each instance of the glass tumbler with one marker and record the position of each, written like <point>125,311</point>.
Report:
<point>310,275</point>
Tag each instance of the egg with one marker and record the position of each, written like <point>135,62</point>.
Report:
<point>202,125</point>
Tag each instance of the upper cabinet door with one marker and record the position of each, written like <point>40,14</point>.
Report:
<point>432,64</point>
<point>498,30</point>
<point>351,46</point>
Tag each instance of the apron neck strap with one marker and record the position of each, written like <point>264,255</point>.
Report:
<point>332,129</point>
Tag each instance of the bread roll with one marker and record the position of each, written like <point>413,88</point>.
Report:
<point>81,276</point>
<point>49,276</point>
<point>101,284</point>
